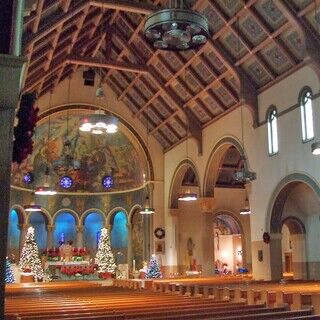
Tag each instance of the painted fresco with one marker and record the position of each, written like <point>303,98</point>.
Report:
<point>84,157</point>
<point>137,239</point>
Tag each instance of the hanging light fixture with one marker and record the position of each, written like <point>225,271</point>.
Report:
<point>246,210</point>
<point>45,189</point>
<point>147,209</point>
<point>32,207</point>
<point>243,175</point>
<point>176,28</point>
<point>99,122</point>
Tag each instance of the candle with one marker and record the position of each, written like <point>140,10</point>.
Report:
<point>134,265</point>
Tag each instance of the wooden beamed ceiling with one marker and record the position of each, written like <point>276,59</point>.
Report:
<point>253,44</point>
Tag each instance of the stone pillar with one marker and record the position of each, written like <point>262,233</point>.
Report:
<point>11,70</point>
<point>276,256</point>
<point>207,245</point>
<point>23,231</point>
<point>129,257</point>
<point>80,236</point>
<point>50,229</point>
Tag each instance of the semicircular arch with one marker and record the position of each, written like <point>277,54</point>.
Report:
<point>70,211</point>
<point>280,195</point>
<point>112,212</point>
<point>22,215</point>
<point>177,180</point>
<point>133,210</point>
<point>214,160</point>
<point>92,210</point>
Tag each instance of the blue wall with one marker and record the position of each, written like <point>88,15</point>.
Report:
<point>37,220</point>
<point>119,237</point>
<point>13,233</point>
<point>65,224</point>
<point>93,224</point>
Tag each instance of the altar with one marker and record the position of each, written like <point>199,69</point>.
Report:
<point>60,269</point>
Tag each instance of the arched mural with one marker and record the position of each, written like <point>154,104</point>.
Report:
<point>119,236</point>
<point>65,228</point>
<point>89,157</point>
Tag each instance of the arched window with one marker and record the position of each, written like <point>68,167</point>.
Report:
<point>273,132</point>
<point>306,115</point>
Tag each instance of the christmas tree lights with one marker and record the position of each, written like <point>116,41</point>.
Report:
<point>104,257</point>
<point>29,260</point>
<point>153,271</point>
<point>9,272</point>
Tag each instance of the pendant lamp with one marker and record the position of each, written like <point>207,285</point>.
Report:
<point>147,209</point>
<point>46,189</point>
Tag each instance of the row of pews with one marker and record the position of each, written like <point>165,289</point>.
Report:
<point>92,301</point>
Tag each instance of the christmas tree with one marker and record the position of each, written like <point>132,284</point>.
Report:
<point>9,272</point>
<point>153,271</point>
<point>29,260</point>
<point>104,257</point>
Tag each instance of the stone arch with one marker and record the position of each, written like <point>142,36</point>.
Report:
<point>177,179</point>
<point>295,225</point>
<point>72,212</point>
<point>214,160</point>
<point>22,215</point>
<point>87,212</point>
<point>49,220</point>
<point>133,211</point>
<point>112,212</point>
<point>280,195</point>
<point>229,213</point>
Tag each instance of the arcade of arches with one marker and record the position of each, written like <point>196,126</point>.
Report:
<point>207,235</point>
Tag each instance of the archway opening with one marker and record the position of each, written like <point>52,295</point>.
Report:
<point>228,245</point>
<point>39,222</point>
<point>14,234</point>
<point>93,224</point>
<point>292,249</point>
<point>119,237</point>
<point>65,228</point>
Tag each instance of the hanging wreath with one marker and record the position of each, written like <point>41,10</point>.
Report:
<point>159,233</point>
<point>266,237</point>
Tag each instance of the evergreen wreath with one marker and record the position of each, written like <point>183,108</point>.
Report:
<point>159,233</point>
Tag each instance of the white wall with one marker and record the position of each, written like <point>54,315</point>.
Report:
<point>294,156</point>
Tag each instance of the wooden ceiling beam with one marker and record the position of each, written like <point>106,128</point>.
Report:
<point>127,6</point>
<point>311,40</point>
<point>54,23</point>
<point>106,63</point>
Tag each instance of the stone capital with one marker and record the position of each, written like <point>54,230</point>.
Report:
<point>50,228</point>
<point>80,228</point>
<point>23,227</point>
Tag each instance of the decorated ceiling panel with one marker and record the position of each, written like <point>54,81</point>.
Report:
<point>86,159</point>
<point>261,41</point>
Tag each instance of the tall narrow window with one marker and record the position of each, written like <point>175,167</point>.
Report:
<point>306,115</point>
<point>273,132</point>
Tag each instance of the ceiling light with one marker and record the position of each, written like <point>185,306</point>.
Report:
<point>32,207</point>
<point>45,190</point>
<point>176,29</point>
<point>246,210</point>
<point>99,123</point>
<point>147,208</point>
<point>187,196</point>
<point>315,147</point>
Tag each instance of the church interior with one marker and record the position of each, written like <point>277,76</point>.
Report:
<point>160,159</point>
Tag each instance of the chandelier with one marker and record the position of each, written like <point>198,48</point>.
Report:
<point>99,123</point>
<point>32,207</point>
<point>176,28</point>
<point>246,210</point>
<point>147,209</point>
<point>188,196</point>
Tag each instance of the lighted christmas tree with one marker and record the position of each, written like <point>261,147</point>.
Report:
<point>29,260</point>
<point>153,271</point>
<point>104,257</point>
<point>9,272</point>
